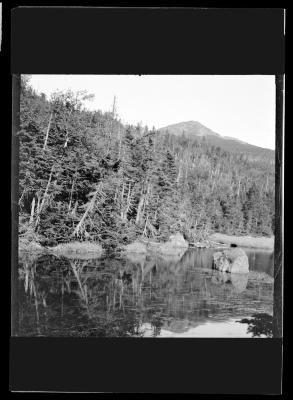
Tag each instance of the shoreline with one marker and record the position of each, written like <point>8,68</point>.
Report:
<point>214,241</point>
<point>265,243</point>
<point>70,250</point>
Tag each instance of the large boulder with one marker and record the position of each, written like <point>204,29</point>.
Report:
<point>177,240</point>
<point>220,262</point>
<point>175,245</point>
<point>233,261</point>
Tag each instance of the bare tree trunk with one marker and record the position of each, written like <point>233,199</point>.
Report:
<point>179,173</point>
<point>66,139</point>
<point>67,134</point>
<point>146,200</point>
<point>44,197</point>
<point>213,185</point>
<point>146,222</point>
<point>73,212</point>
<point>116,194</point>
<point>267,184</point>
<point>77,275</point>
<point>38,203</point>
<point>32,210</point>
<point>186,172</point>
<point>128,202</point>
<point>89,208</point>
<point>120,142</point>
<point>139,208</point>
<point>20,199</point>
<point>47,133</point>
<point>122,196</point>
<point>155,216</point>
<point>71,193</point>
<point>238,192</point>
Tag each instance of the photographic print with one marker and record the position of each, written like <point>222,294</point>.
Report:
<point>146,206</point>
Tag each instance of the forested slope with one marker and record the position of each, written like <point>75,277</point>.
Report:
<point>83,175</point>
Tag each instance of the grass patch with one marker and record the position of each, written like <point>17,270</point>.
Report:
<point>26,245</point>
<point>77,249</point>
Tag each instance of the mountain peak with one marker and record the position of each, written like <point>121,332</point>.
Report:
<point>189,127</point>
<point>195,129</point>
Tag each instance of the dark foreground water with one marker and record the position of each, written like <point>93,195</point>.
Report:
<point>142,296</point>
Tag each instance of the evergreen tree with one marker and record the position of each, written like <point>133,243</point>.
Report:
<point>85,175</point>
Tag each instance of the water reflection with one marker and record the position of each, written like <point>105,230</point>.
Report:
<point>205,329</point>
<point>238,281</point>
<point>261,260</point>
<point>141,296</point>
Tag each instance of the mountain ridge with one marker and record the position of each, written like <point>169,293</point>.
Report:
<point>199,131</point>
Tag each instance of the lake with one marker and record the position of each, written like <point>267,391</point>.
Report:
<point>145,296</point>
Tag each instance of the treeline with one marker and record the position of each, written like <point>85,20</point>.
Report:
<point>84,175</point>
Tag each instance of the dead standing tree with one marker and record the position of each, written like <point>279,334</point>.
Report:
<point>97,197</point>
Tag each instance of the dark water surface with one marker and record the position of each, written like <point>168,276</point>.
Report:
<point>143,296</point>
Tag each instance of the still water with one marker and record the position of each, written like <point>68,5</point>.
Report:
<point>144,296</point>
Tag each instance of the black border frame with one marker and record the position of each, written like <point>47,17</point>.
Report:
<point>228,41</point>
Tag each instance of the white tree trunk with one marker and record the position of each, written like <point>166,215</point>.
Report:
<point>32,210</point>
<point>44,197</point>
<point>47,132</point>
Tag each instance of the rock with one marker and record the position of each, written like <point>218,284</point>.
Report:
<point>178,240</point>
<point>238,260</point>
<point>233,261</point>
<point>176,245</point>
<point>136,247</point>
<point>220,262</point>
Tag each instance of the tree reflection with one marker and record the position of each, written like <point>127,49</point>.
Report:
<point>121,297</point>
<point>157,322</point>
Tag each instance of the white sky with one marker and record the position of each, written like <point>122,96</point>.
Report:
<point>241,106</point>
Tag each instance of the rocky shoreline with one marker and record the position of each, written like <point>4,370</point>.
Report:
<point>174,246</point>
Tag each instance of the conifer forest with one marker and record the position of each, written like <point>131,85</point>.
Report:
<point>85,176</point>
